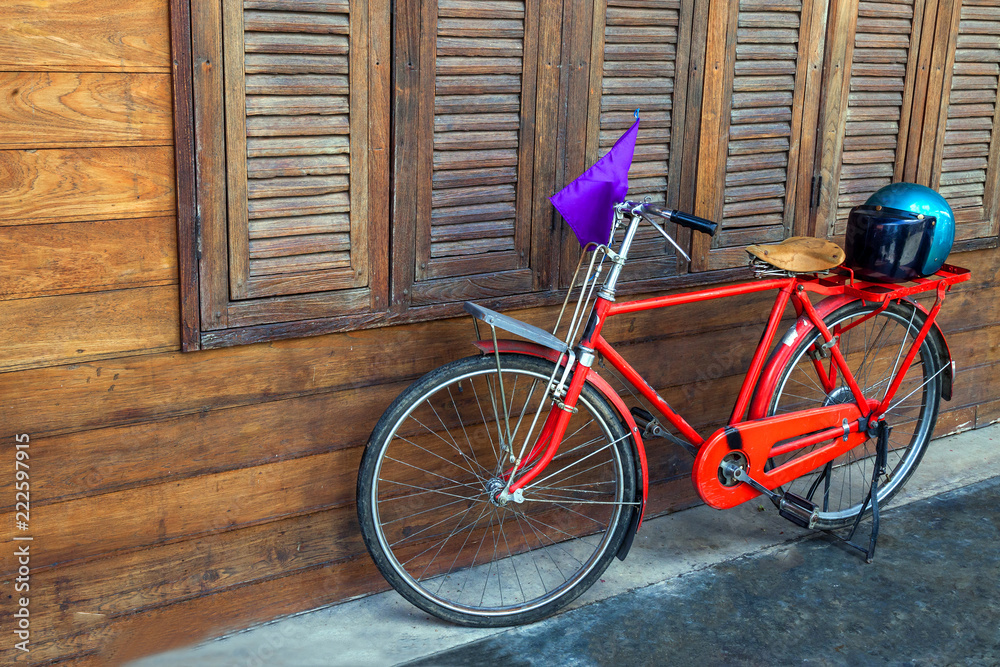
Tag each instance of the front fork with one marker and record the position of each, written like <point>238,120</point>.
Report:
<point>549,438</point>
<point>563,407</point>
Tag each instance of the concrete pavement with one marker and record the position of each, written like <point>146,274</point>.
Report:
<point>773,592</point>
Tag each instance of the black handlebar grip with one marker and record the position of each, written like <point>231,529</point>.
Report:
<point>686,219</point>
<point>694,222</point>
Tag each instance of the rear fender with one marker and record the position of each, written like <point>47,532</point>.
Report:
<point>599,383</point>
<point>803,328</point>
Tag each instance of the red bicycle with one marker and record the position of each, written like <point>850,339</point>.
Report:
<point>497,488</point>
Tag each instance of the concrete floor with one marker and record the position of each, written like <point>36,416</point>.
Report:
<point>736,587</point>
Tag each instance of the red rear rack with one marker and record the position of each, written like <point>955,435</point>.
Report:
<point>842,281</point>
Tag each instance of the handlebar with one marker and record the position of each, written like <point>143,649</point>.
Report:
<point>684,219</point>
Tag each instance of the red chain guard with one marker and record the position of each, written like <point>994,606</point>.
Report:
<point>755,439</point>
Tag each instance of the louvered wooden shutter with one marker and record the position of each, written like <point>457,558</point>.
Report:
<point>297,124</point>
<point>967,164</point>
<point>750,133</point>
<point>636,67</point>
<point>475,149</point>
<point>866,106</point>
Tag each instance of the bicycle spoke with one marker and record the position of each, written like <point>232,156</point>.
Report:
<point>447,479</point>
<point>438,456</point>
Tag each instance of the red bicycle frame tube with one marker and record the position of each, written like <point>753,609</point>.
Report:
<point>789,289</point>
<point>918,341</point>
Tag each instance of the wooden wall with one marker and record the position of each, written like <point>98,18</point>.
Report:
<point>177,496</point>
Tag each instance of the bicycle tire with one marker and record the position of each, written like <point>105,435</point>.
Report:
<point>872,350</point>
<point>498,565</point>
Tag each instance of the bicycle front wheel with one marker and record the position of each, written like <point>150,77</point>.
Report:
<point>430,472</point>
<point>874,349</point>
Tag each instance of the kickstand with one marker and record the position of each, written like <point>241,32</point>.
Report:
<point>881,450</point>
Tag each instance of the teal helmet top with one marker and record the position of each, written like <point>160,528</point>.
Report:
<point>921,200</point>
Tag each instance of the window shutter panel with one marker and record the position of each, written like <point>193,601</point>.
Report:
<point>748,162</point>
<point>297,124</point>
<point>867,116</point>
<point>967,166</point>
<point>636,67</point>
<point>473,209</point>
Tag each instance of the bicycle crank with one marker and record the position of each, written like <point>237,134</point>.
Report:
<point>819,434</point>
<point>791,506</point>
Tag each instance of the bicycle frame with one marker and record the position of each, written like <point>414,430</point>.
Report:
<point>846,425</point>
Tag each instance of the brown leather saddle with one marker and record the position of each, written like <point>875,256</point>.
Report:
<point>799,254</point>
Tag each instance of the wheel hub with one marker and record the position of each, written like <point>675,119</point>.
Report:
<point>493,489</point>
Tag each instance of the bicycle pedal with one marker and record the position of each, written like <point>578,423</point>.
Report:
<point>798,510</point>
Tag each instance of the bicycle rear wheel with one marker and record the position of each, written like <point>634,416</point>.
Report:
<point>874,349</point>
<point>437,457</point>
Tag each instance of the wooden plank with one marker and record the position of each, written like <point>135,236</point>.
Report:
<point>65,258</point>
<point>987,413</point>
<point>77,596</point>
<point>720,56</point>
<point>170,384</point>
<point>85,36</point>
<point>55,185</point>
<point>85,327</point>
<point>198,506</point>
<point>181,624</point>
<point>546,163</point>
<point>209,144</point>
<point>184,156</point>
<point>236,128</point>
<point>112,459</point>
<point>462,288</point>
<point>61,109</point>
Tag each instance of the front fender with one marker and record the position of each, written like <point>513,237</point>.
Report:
<point>803,327</point>
<point>601,385</point>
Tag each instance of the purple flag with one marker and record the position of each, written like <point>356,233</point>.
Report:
<point>587,203</point>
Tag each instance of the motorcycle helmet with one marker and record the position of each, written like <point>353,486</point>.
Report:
<point>901,232</point>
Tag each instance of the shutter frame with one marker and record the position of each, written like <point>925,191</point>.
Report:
<point>973,27</point>
<point>486,249</point>
<point>855,99</point>
<point>232,298</point>
<point>738,207</point>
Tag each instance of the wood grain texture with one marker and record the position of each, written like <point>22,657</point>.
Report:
<point>88,594</point>
<point>180,624</point>
<point>460,131</point>
<point>112,459</point>
<point>53,185</point>
<point>78,328</point>
<point>184,158</point>
<point>85,36</point>
<point>169,384</point>
<point>161,513</point>
<point>209,171</point>
<point>64,258</point>
<point>58,109</point>
<point>968,166</point>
